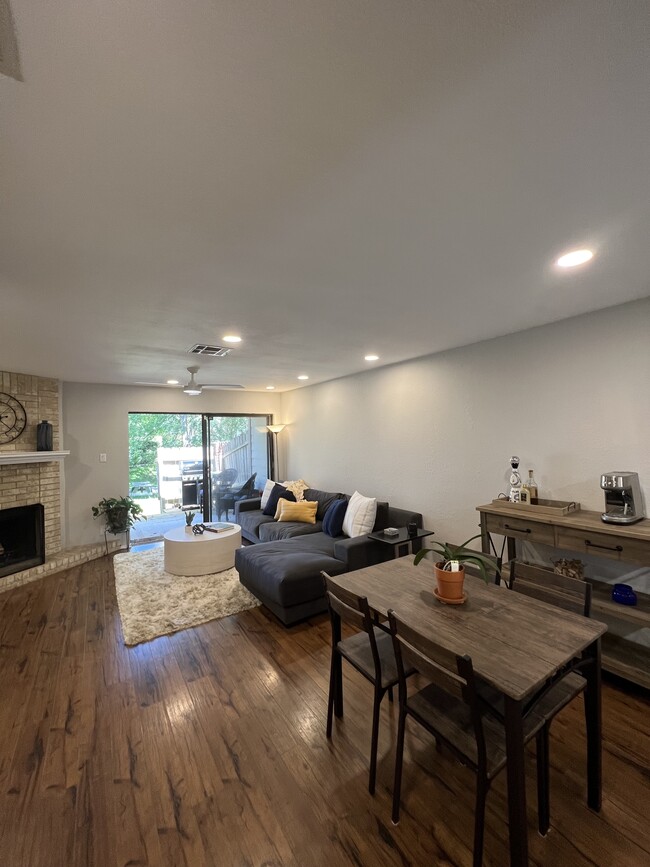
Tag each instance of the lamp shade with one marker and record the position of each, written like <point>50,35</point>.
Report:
<point>275,428</point>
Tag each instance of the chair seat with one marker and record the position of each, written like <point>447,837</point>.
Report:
<point>543,710</point>
<point>450,719</point>
<point>356,650</point>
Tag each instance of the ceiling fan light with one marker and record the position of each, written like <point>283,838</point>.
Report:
<point>192,390</point>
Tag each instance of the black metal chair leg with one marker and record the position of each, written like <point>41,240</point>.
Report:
<point>331,696</point>
<point>338,694</point>
<point>390,693</point>
<point>379,694</point>
<point>399,757</point>
<point>479,819</point>
<point>543,781</point>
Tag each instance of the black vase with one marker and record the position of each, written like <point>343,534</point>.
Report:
<point>44,437</point>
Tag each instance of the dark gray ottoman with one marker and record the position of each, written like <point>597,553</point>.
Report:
<point>286,576</point>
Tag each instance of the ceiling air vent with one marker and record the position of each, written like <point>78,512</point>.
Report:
<point>206,349</point>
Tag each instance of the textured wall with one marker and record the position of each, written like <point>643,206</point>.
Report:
<point>25,484</point>
<point>435,434</point>
<point>95,420</point>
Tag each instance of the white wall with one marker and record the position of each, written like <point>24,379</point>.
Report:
<point>95,420</point>
<point>435,435</point>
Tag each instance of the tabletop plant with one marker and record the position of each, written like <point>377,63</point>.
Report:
<point>450,583</point>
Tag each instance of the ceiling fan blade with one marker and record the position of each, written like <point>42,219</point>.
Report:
<point>219,385</point>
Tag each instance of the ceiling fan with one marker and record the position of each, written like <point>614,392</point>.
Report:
<point>194,388</point>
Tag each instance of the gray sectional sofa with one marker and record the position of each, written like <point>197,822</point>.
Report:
<point>282,568</point>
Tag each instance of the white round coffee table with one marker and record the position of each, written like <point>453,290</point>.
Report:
<point>187,554</point>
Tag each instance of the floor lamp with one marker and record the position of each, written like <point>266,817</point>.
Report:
<point>275,430</point>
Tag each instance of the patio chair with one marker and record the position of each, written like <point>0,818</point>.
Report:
<point>229,499</point>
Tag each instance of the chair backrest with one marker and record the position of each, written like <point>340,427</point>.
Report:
<point>227,476</point>
<point>348,606</point>
<point>496,562</point>
<point>449,671</point>
<point>248,485</point>
<point>570,594</point>
<point>438,664</point>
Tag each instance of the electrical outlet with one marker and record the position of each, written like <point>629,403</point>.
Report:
<point>102,458</point>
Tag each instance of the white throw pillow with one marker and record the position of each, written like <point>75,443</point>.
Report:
<point>266,493</point>
<point>360,515</point>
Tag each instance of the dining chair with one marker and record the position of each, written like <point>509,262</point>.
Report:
<point>451,709</point>
<point>570,594</point>
<point>369,651</point>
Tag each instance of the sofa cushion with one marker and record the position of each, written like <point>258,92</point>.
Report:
<point>304,512</point>
<point>252,522</point>
<point>360,515</point>
<point>287,530</point>
<point>382,520</point>
<point>272,502</point>
<point>324,499</point>
<point>333,520</point>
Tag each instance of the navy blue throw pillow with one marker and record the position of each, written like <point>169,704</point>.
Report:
<point>278,491</point>
<point>333,520</point>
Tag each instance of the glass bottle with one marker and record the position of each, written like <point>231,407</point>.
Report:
<point>531,485</point>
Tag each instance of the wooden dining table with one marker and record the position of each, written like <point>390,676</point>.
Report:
<point>516,644</point>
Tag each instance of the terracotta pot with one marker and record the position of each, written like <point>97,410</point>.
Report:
<point>450,584</point>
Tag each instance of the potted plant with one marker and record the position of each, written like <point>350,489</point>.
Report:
<point>119,515</point>
<point>450,583</point>
<point>189,517</point>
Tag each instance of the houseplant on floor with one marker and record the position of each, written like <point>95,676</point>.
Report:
<point>449,581</point>
<point>119,515</point>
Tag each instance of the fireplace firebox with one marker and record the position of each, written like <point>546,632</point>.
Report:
<point>22,538</point>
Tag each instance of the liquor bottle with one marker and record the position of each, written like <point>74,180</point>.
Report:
<point>531,485</point>
<point>515,480</point>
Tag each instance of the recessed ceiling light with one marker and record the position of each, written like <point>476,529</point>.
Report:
<point>270,387</point>
<point>371,357</point>
<point>303,376</point>
<point>573,258</point>
<point>172,382</point>
<point>231,338</point>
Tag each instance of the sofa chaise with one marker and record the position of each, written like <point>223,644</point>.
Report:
<point>282,567</point>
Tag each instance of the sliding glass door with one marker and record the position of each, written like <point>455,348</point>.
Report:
<point>236,461</point>
<point>188,461</point>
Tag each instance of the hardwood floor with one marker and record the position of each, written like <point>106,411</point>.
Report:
<point>208,748</point>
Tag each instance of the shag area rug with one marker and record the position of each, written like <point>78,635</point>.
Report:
<point>153,602</point>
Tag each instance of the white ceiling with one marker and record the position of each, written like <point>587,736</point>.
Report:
<point>325,177</point>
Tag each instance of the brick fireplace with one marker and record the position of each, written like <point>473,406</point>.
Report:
<point>28,484</point>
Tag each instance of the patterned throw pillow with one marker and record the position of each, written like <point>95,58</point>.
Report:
<point>303,512</point>
<point>297,488</point>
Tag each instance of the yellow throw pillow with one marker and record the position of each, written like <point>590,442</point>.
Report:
<point>303,512</point>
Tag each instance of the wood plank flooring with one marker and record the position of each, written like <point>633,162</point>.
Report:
<point>208,748</point>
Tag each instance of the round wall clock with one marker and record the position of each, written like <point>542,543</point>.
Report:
<point>12,418</point>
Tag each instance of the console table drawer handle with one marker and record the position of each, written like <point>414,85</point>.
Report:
<point>516,529</point>
<point>589,544</point>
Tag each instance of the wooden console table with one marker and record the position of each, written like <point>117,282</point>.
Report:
<point>586,533</point>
